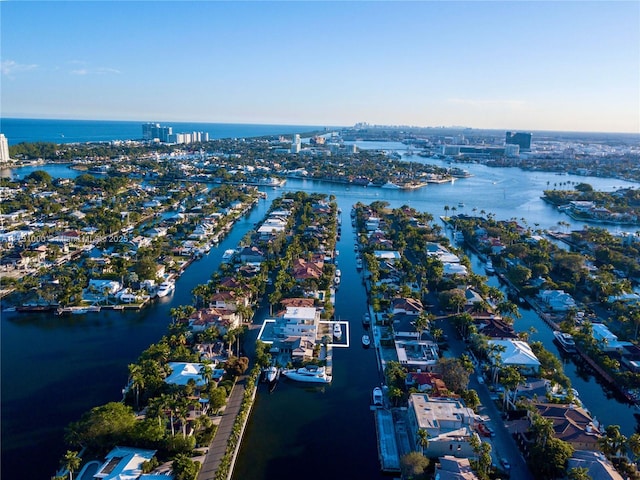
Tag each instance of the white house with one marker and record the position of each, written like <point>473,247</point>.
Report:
<point>110,287</point>
<point>518,354</point>
<point>182,372</point>
<point>448,424</point>
<point>557,300</point>
<point>125,463</point>
<point>606,340</point>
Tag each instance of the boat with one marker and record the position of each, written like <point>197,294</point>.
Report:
<point>391,185</point>
<point>227,255</point>
<point>366,319</point>
<point>377,396</point>
<point>359,263</point>
<point>488,267</point>
<point>565,340</point>
<point>366,341</point>
<point>336,281</point>
<point>308,374</point>
<point>165,288</point>
<point>338,272</point>
<point>337,330</point>
<point>271,376</point>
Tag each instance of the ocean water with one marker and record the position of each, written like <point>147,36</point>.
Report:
<point>19,130</point>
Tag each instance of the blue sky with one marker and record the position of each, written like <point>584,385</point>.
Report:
<point>542,65</point>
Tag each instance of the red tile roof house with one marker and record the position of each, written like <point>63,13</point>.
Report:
<point>303,270</point>
<point>408,306</point>
<point>222,319</point>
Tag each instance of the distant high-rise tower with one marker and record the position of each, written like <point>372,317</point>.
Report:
<point>519,138</point>
<point>4,149</point>
<point>295,144</point>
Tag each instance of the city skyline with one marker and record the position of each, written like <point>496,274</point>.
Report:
<point>567,66</point>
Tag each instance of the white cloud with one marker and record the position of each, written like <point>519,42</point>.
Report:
<point>11,67</point>
<point>96,71</point>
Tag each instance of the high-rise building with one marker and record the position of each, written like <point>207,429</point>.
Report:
<point>519,138</point>
<point>152,131</point>
<point>4,149</point>
<point>295,144</point>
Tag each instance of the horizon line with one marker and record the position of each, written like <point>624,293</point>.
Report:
<point>371,125</point>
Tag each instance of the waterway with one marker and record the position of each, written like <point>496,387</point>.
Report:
<point>54,369</point>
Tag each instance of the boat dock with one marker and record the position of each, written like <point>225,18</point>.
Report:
<point>387,446</point>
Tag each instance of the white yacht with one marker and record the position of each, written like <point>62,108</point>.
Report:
<point>166,288</point>
<point>337,330</point>
<point>309,374</point>
<point>377,396</point>
<point>565,340</point>
<point>488,267</point>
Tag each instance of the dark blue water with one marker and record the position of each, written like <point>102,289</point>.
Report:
<point>18,130</point>
<point>55,369</point>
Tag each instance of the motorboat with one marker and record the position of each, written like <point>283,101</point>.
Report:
<point>308,374</point>
<point>337,330</point>
<point>271,377</point>
<point>271,374</point>
<point>336,281</point>
<point>488,267</point>
<point>359,263</point>
<point>366,341</point>
<point>338,272</point>
<point>165,288</point>
<point>565,340</point>
<point>377,396</point>
<point>366,319</point>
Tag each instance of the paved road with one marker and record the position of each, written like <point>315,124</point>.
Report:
<point>218,446</point>
<point>503,444</point>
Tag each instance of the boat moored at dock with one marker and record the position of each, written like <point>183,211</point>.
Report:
<point>308,374</point>
<point>565,340</point>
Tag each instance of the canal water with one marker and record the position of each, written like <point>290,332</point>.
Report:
<point>54,369</point>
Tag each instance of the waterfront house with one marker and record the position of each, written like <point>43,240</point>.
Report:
<point>389,256</point>
<point>251,255</point>
<point>557,300</point>
<point>447,422</point>
<point>221,318</point>
<point>297,322</point>
<point>597,464</point>
<point>182,372</point>
<point>494,327</point>
<point>126,463</point>
<point>606,340</point>
<point>452,468</point>
<point>229,300</point>
<point>406,306</point>
<point>571,424</point>
<point>415,353</point>
<point>104,287</point>
<point>156,232</point>
<point>515,353</point>
<point>305,270</point>
<point>427,382</point>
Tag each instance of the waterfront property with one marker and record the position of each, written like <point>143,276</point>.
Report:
<point>447,422</point>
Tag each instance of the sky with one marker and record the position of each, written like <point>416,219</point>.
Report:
<point>519,65</point>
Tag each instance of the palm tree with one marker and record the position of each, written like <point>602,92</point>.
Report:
<point>71,462</point>
<point>136,378</point>
<point>423,439</point>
